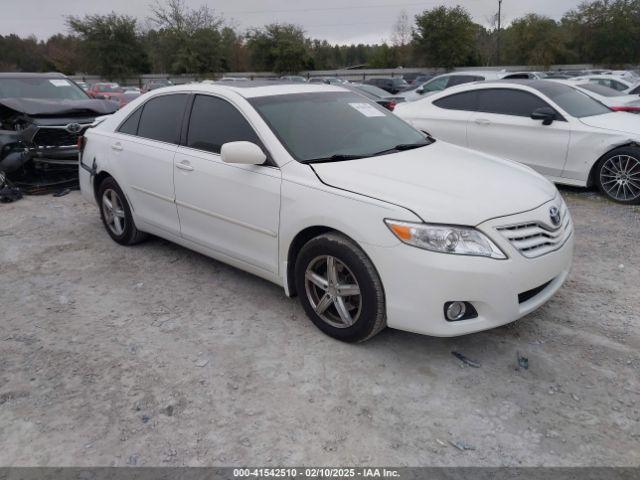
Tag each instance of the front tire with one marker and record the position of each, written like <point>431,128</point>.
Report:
<point>340,289</point>
<point>116,214</point>
<point>618,175</point>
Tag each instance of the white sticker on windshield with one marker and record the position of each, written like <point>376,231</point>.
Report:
<point>59,83</point>
<point>367,109</point>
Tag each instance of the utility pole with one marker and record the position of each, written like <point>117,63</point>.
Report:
<point>499,25</point>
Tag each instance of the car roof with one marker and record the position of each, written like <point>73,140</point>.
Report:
<point>32,75</point>
<point>253,89</point>
<point>605,77</point>
<point>519,84</point>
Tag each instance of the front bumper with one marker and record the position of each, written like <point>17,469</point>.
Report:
<point>418,283</point>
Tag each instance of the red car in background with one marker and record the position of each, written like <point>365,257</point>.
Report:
<point>106,91</point>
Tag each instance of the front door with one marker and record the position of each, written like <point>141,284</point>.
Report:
<point>503,127</point>
<point>232,209</point>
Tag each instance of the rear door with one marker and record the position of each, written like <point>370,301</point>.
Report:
<point>503,127</point>
<point>143,151</point>
<point>230,208</point>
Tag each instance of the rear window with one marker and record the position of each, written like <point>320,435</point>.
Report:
<point>574,102</point>
<point>600,89</point>
<point>459,101</point>
<point>162,117</point>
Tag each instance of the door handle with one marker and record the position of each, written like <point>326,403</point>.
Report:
<point>184,166</point>
<point>116,146</point>
<point>482,121</point>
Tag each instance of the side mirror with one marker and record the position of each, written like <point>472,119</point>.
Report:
<point>100,97</point>
<point>546,114</point>
<point>420,91</point>
<point>245,153</point>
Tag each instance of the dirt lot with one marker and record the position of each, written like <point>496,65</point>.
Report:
<point>155,355</point>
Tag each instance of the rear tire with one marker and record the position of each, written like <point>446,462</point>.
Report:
<point>116,214</point>
<point>617,175</point>
<point>340,289</point>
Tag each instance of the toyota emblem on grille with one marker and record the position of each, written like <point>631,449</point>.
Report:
<point>73,128</point>
<point>554,215</point>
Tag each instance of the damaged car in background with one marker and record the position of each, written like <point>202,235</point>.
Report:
<point>41,118</point>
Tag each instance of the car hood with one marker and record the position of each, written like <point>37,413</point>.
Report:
<point>623,122</point>
<point>42,107</point>
<point>443,183</point>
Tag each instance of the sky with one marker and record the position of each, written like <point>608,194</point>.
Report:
<point>337,21</point>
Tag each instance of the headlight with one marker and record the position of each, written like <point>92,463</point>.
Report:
<point>445,239</point>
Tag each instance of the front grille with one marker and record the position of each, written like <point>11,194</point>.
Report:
<point>529,294</point>
<point>55,137</point>
<point>534,239</point>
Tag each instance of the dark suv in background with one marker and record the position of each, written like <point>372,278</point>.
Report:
<point>41,117</point>
<point>392,85</point>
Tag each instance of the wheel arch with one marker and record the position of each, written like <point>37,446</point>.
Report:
<point>591,179</point>
<point>300,239</point>
<point>97,180</point>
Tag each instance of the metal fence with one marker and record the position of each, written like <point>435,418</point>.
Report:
<point>359,74</point>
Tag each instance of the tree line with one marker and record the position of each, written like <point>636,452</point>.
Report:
<point>176,39</point>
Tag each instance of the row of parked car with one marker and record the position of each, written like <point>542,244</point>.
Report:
<point>337,199</point>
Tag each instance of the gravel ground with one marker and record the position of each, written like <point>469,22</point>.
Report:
<point>155,355</point>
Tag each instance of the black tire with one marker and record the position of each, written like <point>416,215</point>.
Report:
<point>130,234</point>
<point>372,312</point>
<point>627,158</point>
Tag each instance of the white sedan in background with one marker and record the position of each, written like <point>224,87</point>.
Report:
<point>613,99</point>
<point>334,198</point>
<point>553,128</point>
<point>625,85</point>
<point>448,80</point>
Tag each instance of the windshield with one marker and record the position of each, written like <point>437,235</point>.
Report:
<point>572,101</point>
<point>435,85</point>
<point>321,125</point>
<point>41,88</point>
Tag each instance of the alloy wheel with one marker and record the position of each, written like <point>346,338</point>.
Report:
<point>113,210</point>
<point>620,177</point>
<point>333,291</point>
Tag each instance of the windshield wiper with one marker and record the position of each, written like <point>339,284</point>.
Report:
<point>403,147</point>
<point>398,148</point>
<point>335,158</point>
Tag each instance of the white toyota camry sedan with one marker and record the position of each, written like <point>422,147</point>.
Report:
<point>559,131</point>
<point>367,220</point>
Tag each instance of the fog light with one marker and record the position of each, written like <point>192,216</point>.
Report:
<point>456,310</point>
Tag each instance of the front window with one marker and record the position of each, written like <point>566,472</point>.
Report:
<point>41,88</point>
<point>330,125</point>
<point>572,101</point>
